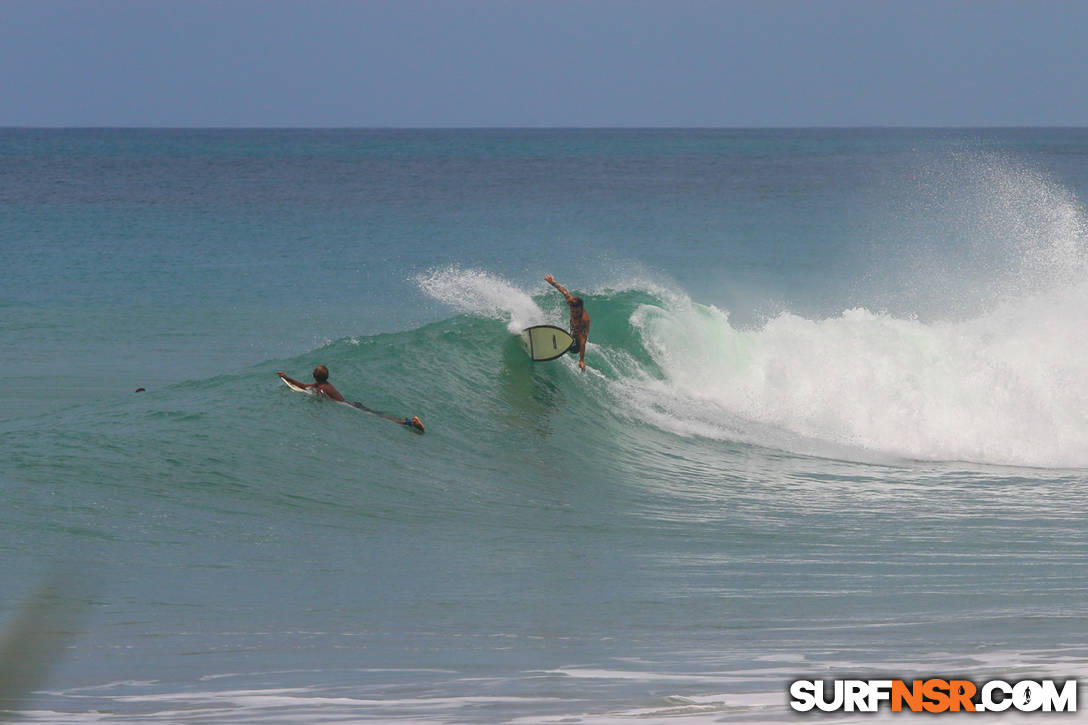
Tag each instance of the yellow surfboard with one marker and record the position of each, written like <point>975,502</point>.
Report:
<point>545,342</point>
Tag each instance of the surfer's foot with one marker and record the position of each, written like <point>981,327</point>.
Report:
<point>415,422</point>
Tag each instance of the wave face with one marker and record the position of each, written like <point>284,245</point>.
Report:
<point>1008,387</point>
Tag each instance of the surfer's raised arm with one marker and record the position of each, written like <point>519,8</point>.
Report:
<point>563,290</point>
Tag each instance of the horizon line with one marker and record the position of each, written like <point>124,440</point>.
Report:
<point>859,127</point>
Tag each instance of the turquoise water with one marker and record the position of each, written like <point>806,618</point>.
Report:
<point>835,422</point>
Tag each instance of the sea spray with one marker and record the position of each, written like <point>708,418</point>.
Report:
<point>963,231</point>
<point>983,358</point>
<point>483,294</point>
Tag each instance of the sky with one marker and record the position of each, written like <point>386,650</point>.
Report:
<point>543,63</point>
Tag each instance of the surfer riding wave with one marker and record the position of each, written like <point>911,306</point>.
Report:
<point>579,319</point>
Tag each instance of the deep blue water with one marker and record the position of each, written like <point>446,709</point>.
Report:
<point>836,419</point>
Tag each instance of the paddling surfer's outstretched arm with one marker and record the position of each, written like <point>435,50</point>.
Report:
<point>296,383</point>
<point>320,384</point>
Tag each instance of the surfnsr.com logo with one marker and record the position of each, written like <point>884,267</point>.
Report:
<point>933,695</point>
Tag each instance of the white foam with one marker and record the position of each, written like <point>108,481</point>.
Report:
<point>1009,387</point>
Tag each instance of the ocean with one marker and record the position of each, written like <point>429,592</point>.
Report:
<point>834,425</point>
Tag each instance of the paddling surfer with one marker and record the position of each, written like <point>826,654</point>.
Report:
<point>579,319</point>
<point>322,386</point>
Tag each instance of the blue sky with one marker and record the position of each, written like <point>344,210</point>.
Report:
<point>411,63</point>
